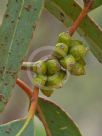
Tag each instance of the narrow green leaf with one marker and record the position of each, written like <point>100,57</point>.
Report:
<point>67,11</point>
<point>15,35</point>
<point>57,121</point>
<point>13,127</point>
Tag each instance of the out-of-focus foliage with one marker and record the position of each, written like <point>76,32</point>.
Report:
<point>13,127</point>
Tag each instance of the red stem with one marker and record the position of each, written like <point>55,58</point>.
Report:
<point>25,87</point>
<point>33,106</point>
<point>80,18</point>
<point>34,99</point>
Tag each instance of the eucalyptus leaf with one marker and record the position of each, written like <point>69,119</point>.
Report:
<point>57,122</point>
<point>13,127</point>
<point>15,34</point>
<point>67,11</point>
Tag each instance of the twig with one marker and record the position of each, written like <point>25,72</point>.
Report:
<point>29,93</point>
<point>25,87</point>
<point>86,9</point>
<point>34,98</point>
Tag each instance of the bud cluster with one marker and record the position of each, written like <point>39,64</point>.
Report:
<point>68,55</point>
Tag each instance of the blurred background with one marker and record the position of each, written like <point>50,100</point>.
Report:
<point>81,97</point>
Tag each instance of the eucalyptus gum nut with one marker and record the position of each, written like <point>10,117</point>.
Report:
<point>75,42</point>
<point>78,69</point>
<point>64,38</point>
<point>52,66</point>
<point>40,67</point>
<point>39,80</point>
<point>47,93</point>
<point>60,50</point>
<point>56,81</point>
<point>63,75</point>
<point>82,61</point>
<point>68,62</point>
<point>78,51</point>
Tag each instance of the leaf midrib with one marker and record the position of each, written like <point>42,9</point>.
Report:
<point>13,35</point>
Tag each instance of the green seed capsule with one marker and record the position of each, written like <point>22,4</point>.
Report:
<point>68,62</point>
<point>82,61</point>
<point>78,69</point>
<point>64,38</point>
<point>75,42</point>
<point>47,93</point>
<point>40,67</point>
<point>57,80</point>
<point>52,66</point>
<point>78,51</point>
<point>40,80</point>
<point>60,50</point>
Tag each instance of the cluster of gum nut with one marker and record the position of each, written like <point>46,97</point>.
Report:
<point>68,56</point>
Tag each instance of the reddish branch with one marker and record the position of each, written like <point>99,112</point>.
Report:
<point>86,9</point>
<point>34,105</point>
<point>32,95</point>
<point>24,87</point>
<point>33,98</point>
